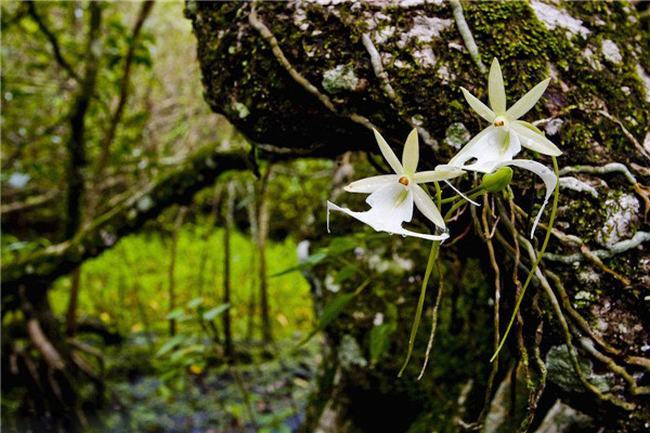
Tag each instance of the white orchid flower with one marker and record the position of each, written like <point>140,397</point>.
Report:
<point>392,196</point>
<point>496,145</point>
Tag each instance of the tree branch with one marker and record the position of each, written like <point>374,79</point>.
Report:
<point>37,271</point>
<point>54,42</point>
<point>76,143</point>
<point>116,118</point>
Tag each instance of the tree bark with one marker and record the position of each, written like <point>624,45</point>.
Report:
<point>262,218</point>
<point>312,78</point>
<point>227,232</point>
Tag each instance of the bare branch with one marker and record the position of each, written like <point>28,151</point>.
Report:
<point>37,271</point>
<point>116,118</point>
<point>54,42</point>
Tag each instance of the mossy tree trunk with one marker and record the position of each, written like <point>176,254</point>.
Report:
<point>311,78</point>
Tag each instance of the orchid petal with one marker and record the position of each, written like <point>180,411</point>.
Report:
<point>366,218</point>
<point>390,206</point>
<point>392,203</point>
<point>425,205</point>
<point>530,126</point>
<point>371,184</point>
<point>489,151</point>
<point>405,232</point>
<point>437,175</point>
<point>468,151</point>
<point>388,153</point>
<point>410,154</point>
<point>547,175</point>
<point>496,90</point>
<point>480,108</point>
<point>534,141</point>
<point>528,101</point>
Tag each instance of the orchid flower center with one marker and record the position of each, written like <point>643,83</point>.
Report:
<point>500,121</point>
<point>404,180</point>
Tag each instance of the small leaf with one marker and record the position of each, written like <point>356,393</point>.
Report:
<point>216,311</point>
<point>345,274</point>
<point>311,261</point>
<point>379,340</point>
<point>175,314</point>
<point>170,344</point>
<point>195,302</point>
<point>333,310</point>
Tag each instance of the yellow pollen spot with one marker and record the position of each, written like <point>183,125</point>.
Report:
<point>499,122</point>
<point>404,180</point>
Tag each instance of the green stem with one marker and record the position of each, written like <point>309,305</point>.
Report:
<point>457,196</point>
<point>433,255</point>
<point>556,196</point>
<point>461,202</point>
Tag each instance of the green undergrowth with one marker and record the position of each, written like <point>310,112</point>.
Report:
<point>127,287</point>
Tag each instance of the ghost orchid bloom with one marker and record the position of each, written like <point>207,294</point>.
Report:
<point>392,196</point>
<point>495,146</point>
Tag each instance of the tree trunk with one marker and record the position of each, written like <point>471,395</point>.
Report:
<point>262,235</point>
<point>180,216</point>
<point>252,304</point>
<point>73,302</point>
<point>227,231</point>
<point>312,78</point>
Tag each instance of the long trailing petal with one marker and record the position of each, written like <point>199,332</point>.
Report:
<point>425,205</point>
<point>528,101</point>
<point>470,148</point>
<point>460,193</point>
<point>437,175</point>
<point>371,184</point>
<point>534,141</point>
<point>388,153</point>
<point>496,89</point>
<point>368,218</point>
<point>411,153</point>
<point>480,108</point>
<point>547,175</point>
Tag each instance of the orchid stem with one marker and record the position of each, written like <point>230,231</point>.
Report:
<point>433,255</point>
<point>438,194</point>
<point>556,196</point>
<point>457,196</point>
<point>461,202</point>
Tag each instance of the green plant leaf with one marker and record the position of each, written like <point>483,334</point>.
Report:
<point>216,311</point>
<point>195,302</point>
<point>333,310</point>
<point>379,341</point>
<point>176,314</point>
<point>170,344</point>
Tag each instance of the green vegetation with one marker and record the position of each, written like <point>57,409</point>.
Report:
<point>127,287</point>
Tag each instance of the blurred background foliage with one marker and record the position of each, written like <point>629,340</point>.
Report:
<point>150,316</point>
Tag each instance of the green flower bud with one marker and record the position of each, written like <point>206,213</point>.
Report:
<point>498,180</point>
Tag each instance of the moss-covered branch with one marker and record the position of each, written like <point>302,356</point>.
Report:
<point>38,270</point>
